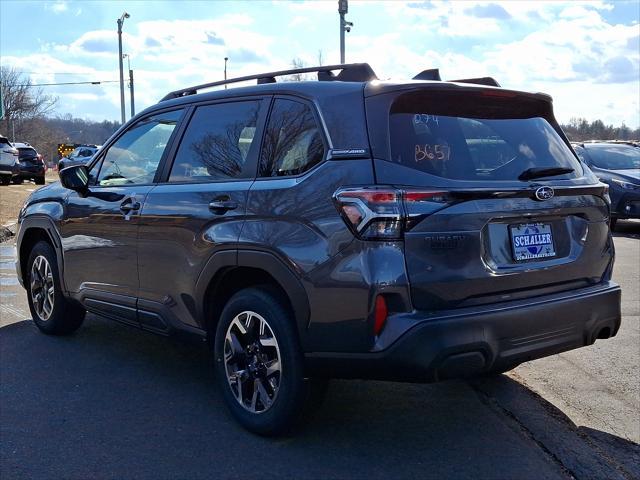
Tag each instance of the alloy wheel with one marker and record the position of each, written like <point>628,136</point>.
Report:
<point>252,362</point>
<point>42,287</point>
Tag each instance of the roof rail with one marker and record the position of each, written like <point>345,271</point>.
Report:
<point>349,72</point>
<point>490,81</point>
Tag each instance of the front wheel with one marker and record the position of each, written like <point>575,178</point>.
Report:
<point>51,311</point>
<point>5,180</point>
<point>259,363</point>
<point>17,181</point>
<point>39,180</point>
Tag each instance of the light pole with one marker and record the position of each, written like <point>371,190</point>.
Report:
<point>225,69</point>
<point>120,22</point>
<point>343,9</point>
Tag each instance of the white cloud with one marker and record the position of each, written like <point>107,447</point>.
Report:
<point>56,7</point>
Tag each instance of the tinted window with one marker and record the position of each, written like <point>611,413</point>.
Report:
<point>27,152</point>
<point>134,158</point>
<point>615,157</point>
<point>217,143</point>
<point>476,139</point>
<point>4,141</point>
<point>293,142</point>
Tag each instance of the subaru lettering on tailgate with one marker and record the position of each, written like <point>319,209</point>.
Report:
<point>531,241</point>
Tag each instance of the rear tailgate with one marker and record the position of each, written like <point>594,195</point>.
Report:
<point>492,234</point>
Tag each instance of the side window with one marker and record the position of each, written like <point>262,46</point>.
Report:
<point>216,143</point>
<point>293,142</point>
<point>134,158</point>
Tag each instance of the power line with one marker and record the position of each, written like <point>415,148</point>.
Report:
<point>67,83</point>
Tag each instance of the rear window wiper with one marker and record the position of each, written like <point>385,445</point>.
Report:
<point>539,172</point>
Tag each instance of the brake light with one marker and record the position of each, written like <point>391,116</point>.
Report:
<point>384,213</point>
<point>381,313</point>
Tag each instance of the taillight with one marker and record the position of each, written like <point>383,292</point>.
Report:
<point>384,213</point>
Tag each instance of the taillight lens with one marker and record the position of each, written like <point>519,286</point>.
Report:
<point>384,213</point>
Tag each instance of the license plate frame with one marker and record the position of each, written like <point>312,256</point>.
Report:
<point>532,242</point>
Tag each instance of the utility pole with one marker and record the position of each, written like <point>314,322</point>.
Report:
<point>225,70</point>
<point>343,9</point>
<point>120,22</point>
<point>133,108</point>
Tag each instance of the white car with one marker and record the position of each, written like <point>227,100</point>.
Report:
<point>9,164</point>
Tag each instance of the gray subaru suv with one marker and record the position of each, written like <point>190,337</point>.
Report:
<point>347,227</point>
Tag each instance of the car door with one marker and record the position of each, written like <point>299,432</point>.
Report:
<point>99,234</point>
<point>198,209</point>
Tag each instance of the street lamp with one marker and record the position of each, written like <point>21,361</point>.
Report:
<point>120,22</point>
<point>343,9</point>
<point>133,108</point>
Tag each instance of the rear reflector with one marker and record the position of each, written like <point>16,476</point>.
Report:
<point>380,315</point>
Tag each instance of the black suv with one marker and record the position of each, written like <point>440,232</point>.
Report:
<point>617,165</point>
<point>349,227</point>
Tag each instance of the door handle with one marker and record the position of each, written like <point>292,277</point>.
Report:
<point>129,205</point>
<point>220,206</point>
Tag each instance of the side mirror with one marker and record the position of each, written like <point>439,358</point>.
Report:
<point>75,177</point>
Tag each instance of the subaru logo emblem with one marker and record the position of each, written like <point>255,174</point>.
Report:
<point>544,193</point>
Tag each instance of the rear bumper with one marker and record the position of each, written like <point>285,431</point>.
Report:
<point>32,171</point>
<point>474,341</point>
<point>12,170</point>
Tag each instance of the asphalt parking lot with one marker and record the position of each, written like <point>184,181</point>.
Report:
<point>115,402</point>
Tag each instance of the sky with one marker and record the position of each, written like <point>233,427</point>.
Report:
<point>585,54</point>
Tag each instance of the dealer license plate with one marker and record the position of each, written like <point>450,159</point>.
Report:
<point>531,241</point>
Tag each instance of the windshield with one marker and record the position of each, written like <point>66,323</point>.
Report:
<point>614,157</point>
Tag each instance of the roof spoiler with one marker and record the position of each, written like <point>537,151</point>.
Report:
<point>349,72</point>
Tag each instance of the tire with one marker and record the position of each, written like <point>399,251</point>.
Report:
<point>39,180</point>
<point>612,223</point>
<point>61,318</point>
<point>17,181</point>
<point>273,402</point>
<point>5,180</point>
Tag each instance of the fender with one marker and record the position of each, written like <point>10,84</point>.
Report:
<point>287,279</point>
<point>45,223</point>
<point>266,261</point>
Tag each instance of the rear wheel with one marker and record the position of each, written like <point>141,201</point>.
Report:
<point>5,180</point>
<point>17,180</point>
<point>51,311</point>
<point>259,363</point>
<point>39,180</point>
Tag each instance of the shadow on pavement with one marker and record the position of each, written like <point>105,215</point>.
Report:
<point>627,228</point>
<point>114,402</point>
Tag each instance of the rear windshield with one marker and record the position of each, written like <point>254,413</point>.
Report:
<point>27,152</point>
<point>615,157</point>
<point>476,143</point>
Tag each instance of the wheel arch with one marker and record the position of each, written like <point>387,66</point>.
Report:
<point>230,271</point>
<point>32,230</point>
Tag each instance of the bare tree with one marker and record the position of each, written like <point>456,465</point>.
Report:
<point>22,101</point>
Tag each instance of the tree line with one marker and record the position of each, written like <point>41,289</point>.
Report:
<point>29,117</point>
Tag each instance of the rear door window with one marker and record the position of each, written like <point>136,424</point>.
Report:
<point>217,144</point>
<point>490,143</point>
<point>293,142</point>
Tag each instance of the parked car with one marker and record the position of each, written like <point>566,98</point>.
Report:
<point>9,165</point>
<point>31,165</point>
<point>618,165</point>
<point>345,227</point>
<point>80,155</point>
